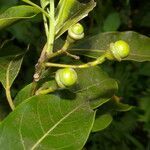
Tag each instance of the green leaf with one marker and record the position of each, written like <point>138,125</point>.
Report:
<point>113,105</point>
<point>9,69</point>
<point>16,13</point>
<point>112,22</point>
<point>122,107</point>
<point>98,90</point>
<point>70,12</point>
<point>64,10</point>
<point>96,45</point>
<point>102,122</point>
<point>47,122</point>
<point>23,94</point>
<point>95,85</point>
<point>26,91</point>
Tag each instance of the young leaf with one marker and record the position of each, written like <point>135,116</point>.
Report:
<point>122,107</point>
<point>47,122</point>
<point>102,122</point>
<point>9,69</point>
<point>16,13</point>
<point>64,10</point>
<point>70,12</point>
<point>113,105</point>
<point>96,45</point>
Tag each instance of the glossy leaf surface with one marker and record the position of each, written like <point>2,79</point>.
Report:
<point>16,13</point>
<point>95,46</point>
<point>9,69</point>
<point>70,12</point>
<point>47,122</point>
<point>102,122</point>
<point>95,85</point>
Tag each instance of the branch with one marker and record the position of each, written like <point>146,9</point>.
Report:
<point>100,60</point>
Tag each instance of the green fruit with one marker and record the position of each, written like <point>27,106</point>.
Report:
<point>76,32</point>
<point>66,77</point>
<point>120,49</point>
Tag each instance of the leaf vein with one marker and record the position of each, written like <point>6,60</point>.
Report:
<point>53,127</point>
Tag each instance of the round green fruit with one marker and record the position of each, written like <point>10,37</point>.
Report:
<point>76,31</point>
<point>120,49</point>
<point>66,77</point>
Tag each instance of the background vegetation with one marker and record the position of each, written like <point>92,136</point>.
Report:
<point>129,130</point>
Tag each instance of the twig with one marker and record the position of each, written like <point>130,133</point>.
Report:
<point>39,8</point>
<point>100,60</point>
<point>61,51</point>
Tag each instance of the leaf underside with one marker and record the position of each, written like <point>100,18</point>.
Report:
<point>15,14</point>
<point>9,69</point>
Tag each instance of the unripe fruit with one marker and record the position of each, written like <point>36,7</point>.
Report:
<point>120,49</point>
<point>76,32</point>
<point>66,77</point>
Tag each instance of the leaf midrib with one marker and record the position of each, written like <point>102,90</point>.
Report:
<point>11,18</point>
<point>8,73</point>
<point>53,127</point>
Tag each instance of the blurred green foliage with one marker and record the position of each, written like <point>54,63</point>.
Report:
<point>130,130</point>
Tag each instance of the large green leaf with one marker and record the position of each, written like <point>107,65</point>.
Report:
<point>47,122</point>
<point>95,85</point>
<point>16,13</point>
<point>9,69</point>
<point>70,12</point>
<point>96,45</point>
<point>102,122</point>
